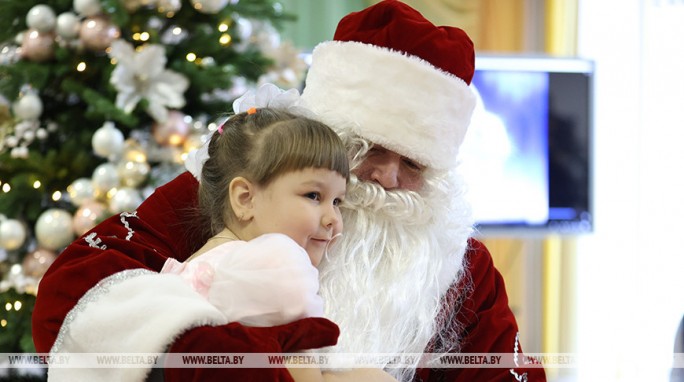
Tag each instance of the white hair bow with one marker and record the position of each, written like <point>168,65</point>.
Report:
<point>267,95</point>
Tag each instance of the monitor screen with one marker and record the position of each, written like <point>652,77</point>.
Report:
<point>527,154</point>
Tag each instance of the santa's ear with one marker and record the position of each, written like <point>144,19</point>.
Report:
<point>241,193</point>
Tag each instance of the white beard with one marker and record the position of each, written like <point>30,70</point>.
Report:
<point>384,279</point>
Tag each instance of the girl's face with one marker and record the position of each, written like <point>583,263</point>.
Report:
<point>303,205</point>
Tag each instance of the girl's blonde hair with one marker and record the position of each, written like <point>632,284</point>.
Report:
<point>260,147</point>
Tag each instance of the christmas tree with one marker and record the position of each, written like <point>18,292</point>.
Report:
<point>100,102</point>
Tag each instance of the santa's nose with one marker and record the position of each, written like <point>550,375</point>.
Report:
<point>386,174</point>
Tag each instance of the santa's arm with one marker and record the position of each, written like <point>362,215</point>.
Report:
<point>489,325</point>
<point>103,293</point>
<point>111,251</point>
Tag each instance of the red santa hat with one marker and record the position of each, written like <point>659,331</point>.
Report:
<point>397,80</point>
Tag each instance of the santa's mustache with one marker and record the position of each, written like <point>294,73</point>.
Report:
<point>406,206</point>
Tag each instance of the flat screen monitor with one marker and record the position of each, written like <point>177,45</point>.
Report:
<point>527,155</point>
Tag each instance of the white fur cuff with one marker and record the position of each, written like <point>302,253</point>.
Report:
<point>134,311</point>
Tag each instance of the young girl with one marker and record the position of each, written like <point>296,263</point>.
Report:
<point>269,193</point>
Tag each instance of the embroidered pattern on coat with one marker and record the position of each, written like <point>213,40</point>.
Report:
<point>125,215</point>
<point>518,377</point>
<point>94,241</point>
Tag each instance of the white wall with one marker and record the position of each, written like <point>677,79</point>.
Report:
<point>631,287</point>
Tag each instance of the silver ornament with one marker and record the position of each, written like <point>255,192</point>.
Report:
<point>108,140</point>
<point>54,229</point>
<point>87,7</point>
<point>125,199</point>
<point>41,17</point>
<point>105,177</point>
<point>68,25</point>
<point>81,191</point>
<point>28,107</point>
<point>12,234</point>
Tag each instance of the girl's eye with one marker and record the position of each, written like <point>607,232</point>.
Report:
<point>337,202</point>
<point>313,196</point>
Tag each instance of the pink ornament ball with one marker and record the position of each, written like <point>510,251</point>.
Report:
<point>87,216</point>
<point>38,47</point>
<point>36,263</point>
<point>97,33</point>
<point>174,131</point>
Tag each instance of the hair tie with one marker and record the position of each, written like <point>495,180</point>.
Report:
<point>220,129</point>
<point>252,110</point>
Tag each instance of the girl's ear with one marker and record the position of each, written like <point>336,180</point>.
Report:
<point>241,193</point>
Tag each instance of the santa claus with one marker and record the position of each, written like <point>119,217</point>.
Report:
<point>404,278</point>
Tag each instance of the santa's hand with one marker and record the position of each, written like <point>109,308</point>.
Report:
<point>308,333</point>
<point>265,282</point>
<point>353,375</point>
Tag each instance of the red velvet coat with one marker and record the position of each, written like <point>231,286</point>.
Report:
<point>159,229</point>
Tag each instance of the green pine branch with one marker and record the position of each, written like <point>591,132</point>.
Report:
<point>79,102</point>
<point>15,335</point>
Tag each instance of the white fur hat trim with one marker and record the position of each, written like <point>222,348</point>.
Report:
<point>401,102</point>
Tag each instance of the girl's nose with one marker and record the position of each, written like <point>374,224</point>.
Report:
<point>331,219</point>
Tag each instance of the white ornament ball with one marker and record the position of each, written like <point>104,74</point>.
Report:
<point>105,177</point>
<point>81,191</point>
<point>41,17</point>
<point>29,135</point>
<point>245,30</point>
<point>88,216</point>
<point>209,6</point>
<point>169,6</point>
<point>266,36</point>
<point>125,199</point>
<point>28,107</point>
<point>19,152</point>
<point>12,234</point>
<point>54,229</point>
<point>11,141</point>
<point>133,174</point>
<point>133,151</point>
<point>68,25</point>
<point>87,7</point>
<point>108,140</point>
<point>41,133</point>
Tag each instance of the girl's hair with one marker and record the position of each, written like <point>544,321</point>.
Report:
<point>260,147</point>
